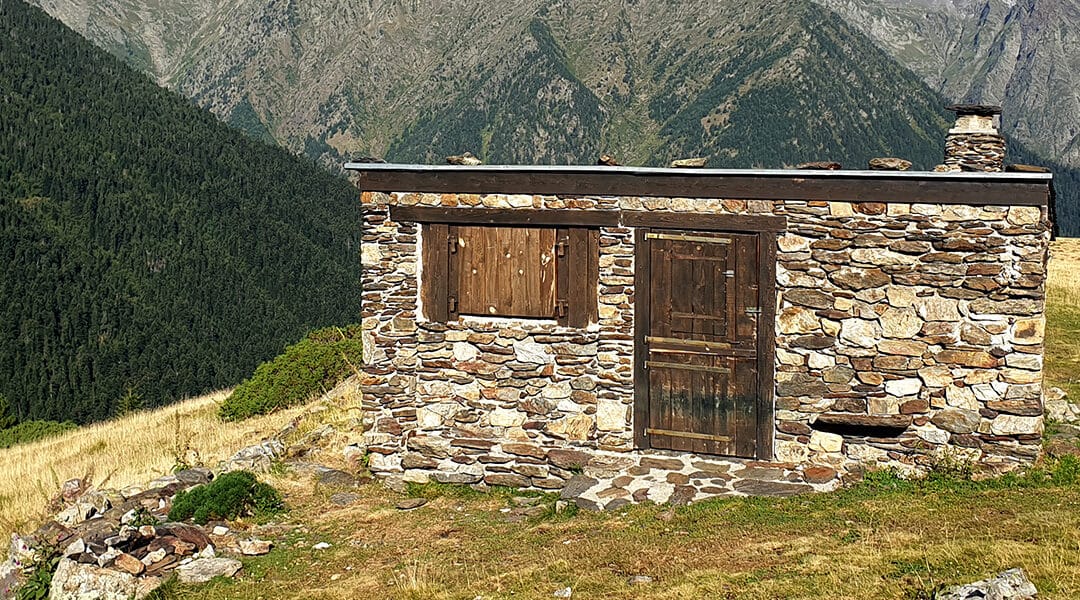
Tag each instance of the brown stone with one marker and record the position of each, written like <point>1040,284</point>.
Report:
<point>808,297</point>
<point>967,358</point>
<point>793,427</point>
<point>818,474</point>
<point>666,464</point>
<point>859,279</point>
<point>1024,408</point>
<point>524,450</point>
<point>914,407</point>
<point>813,342</point>
<point>507,480</point>
<point>568,459</point>
<point>902,347</point>
<point>754,487</point>
<point>956,420</point>
<point>678,478</point>
<point>129,564</point>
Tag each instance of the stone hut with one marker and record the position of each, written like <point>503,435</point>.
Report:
<point>671,334</point>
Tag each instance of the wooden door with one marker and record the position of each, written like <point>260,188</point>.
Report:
<point>698,342</point>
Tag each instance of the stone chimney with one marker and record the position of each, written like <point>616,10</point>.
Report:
<point>974,142</point>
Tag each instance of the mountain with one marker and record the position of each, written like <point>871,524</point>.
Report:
<point>147,250</point>
<point>1021,54</point>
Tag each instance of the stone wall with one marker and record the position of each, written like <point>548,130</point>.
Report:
<point>930,311</point>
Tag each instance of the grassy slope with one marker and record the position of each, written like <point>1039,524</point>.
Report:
<point>869,542</point>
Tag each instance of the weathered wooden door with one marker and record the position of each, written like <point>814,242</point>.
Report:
<point>698,342</point>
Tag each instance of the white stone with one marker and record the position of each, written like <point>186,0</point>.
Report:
<point>519,200</point>
<point>903,387</point>
<point>789,358</point>
<point>220,530</point>
<point>610,415</point>
<point>791,452</point>
<point>817,360</point>
<point>370,254</point>
<point>932,434</point>
<point>961,397</point>
<point>556,390</point>
<point>985,392</point>
<point>465,352</point>
<point>506,417</point>
<point>936,308</point>
<point>841,209</point>
<point>75,581</point>
<point>384,463</point>
<point>902,323</point>
<point>865,453</point>
<point>961,212</point>
<point>1024,215</point>
<point>432,416</point>
<point>860,332</point>
<point>660,492</point>
<point>881,256</point>
<point>1018,360</point>
<point>937,376</point>
<point>1013,425</point>
<point>528,351</point>
<point>821,441</point>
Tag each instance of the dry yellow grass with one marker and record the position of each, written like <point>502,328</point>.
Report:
<point>1063,317</point>
<point>1064,271</point>
<point>127,451</point>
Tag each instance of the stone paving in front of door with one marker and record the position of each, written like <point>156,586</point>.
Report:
<point>608,482</point>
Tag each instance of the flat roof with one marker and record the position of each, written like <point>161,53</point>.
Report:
<point>958,187</point>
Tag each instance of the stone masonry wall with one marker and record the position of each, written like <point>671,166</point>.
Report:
<point>932,311</point>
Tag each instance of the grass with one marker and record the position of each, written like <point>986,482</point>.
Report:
<point>886,538</point>
<point>127,451</point>
<point>1063,317</point>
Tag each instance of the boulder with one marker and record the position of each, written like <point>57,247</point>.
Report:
<point>1007,585</point>
<point>205,569</point>
<point>255,458</point>
<point>75,581</point>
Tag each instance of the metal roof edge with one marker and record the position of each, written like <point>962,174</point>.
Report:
<point>666,171</point>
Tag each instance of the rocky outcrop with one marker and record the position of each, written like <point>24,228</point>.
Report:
<point>1007,585</point>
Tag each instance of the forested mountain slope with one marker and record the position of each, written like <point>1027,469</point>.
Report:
<point>144,246</point>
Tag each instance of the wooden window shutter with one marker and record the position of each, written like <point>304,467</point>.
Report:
<point>577,252</point>
<point>435,270</point>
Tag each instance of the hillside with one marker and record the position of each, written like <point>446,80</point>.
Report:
<point>145,248</point>
<point>1024,56</point>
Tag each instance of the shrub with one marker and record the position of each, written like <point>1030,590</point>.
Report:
<point>228,497</point>
<point>310,367</point>
<point>31,431</point>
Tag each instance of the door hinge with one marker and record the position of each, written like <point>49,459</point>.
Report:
<point>452,304</point>
<point>560,249</point>
<point>753,311</point>
<point>729,273</point>
<point>561,308</point>
<point>452,242</point>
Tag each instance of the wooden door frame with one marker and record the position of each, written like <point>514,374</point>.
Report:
<point>766,329</point>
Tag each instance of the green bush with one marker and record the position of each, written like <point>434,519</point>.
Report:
<point>232,495</point>
<point>310,367</point>
<point>31,431</point>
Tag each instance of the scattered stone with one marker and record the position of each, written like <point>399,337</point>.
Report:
<point>344,498</point>
<point>320,546</point>
<point>259,457</point>
<point>665,515</point>
<point>204,569</point>
<point>1007,585</point>
<point>220,530</point>
<point>76,581</point>
<point>255,547</point>
<point>129,564</point>
<point>338,478</point>
<point>819,474</point>
<point>889,164</point>
<point>688,163</point>
<point>639,580</point>
<point>565,592</point>
<point>410,503</point>
<point>577,485</point>
<point>464,159</point>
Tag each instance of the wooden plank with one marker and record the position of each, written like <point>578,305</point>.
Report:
<point>693,436</point>
<point>766,343</point>
<point>702,221</point>
<point>642,277</point>
<point>562,276</point>
<point>434,271</point>
<point>808,186</point>
<point>453,277</point>
<point>579,294</point>
<point>505,271</point>
<point>505,216</point>
<point>593,305</point>
<point>745,410</point>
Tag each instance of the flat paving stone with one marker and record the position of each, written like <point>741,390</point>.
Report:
<point>755,487</point>
<point>578,485</point>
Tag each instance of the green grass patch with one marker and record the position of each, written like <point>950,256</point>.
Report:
<point>306,369</point>
<point>32,431</point>
<point>228,497</point>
